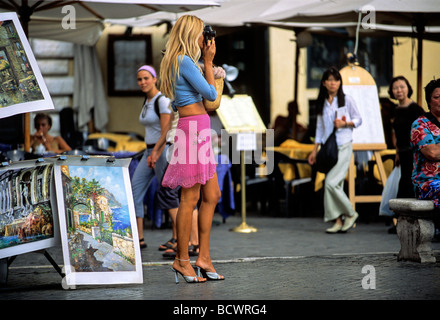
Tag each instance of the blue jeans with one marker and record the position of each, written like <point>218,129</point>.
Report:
<point>143,176</point>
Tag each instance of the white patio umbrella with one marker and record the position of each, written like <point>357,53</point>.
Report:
<point>231,13</point>
<point>88,16</point>
<point>387,15</point>
<point>44,19</point>
<point>418,19</point>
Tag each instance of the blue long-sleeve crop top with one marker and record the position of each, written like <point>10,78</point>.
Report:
<point>191,86</point>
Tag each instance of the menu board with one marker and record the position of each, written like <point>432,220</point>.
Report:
<point>239,114</point>
<point>360,85</point>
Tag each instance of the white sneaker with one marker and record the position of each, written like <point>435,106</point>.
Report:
<point>335,229</point>
<point>350,222</point>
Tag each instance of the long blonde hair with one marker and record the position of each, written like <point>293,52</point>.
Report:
<point>183,40</point>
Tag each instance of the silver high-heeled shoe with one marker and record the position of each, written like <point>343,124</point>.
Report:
<point>188,279</point>
<point>208,275</point>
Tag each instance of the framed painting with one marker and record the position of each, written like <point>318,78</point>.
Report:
<point>125,55</point>
<point>27,208</point>
<point>98,227</point>
<point>22,88</point>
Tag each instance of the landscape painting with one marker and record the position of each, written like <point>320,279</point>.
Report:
<point>97,222</point>
<point>27,206</point>
<point>22,88</point>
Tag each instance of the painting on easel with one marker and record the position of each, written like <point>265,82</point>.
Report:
<point>97,221</point>
<point>27,222</point>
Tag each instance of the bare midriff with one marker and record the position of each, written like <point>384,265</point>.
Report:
<point>191,109</point>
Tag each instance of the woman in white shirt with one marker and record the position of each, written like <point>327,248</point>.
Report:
<point>335,109</point>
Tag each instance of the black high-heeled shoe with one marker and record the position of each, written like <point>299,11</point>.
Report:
<point>208,275</point>
<point>142,245</point>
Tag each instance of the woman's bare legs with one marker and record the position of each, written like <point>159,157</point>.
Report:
<point>188,201</point>
<point>194,236</point>
<point>173,214</point>
<point>210,197</point>
<point>140,227</point>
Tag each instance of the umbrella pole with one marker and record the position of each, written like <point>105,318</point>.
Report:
<point>25,16</point>
<point>419,69</point>
<point>295,91</point>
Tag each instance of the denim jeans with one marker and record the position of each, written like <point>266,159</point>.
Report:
<point>143,176</point>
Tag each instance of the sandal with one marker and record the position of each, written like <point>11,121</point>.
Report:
<point>169,254</point>
<point>168,245</point>
<point>193,250</point>
<point>142,245</point>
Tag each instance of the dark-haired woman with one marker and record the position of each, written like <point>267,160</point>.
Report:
<point>42,141</point>
<point>336,110</point>
<point>406,112</point>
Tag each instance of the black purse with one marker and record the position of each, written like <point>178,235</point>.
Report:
<point>327,156</point>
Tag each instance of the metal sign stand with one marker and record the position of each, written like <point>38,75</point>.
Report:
<point>245,141</point>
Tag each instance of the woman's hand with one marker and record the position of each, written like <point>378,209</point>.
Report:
<point>340,123</point>
<point>152,159</point>
<point>312,157</point>
<point>39,139</point>
<point>150,163</point>
<point>209,51</point>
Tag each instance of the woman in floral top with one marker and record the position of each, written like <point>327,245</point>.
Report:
<point>425,140</point>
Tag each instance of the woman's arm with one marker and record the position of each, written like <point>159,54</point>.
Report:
<point>312,156</point>
<point>192,74</point>
<point>423,139</point>
<point>209,50</point>
<point>355,116</point>
<point>166,120</point>
<point>62,145</point>
<point>431,152</point>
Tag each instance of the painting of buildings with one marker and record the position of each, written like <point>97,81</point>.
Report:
<point>26,214</point>
<point>22,87</point>
<point>18,83</point>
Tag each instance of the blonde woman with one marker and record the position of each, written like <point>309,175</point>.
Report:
<point>192,164</point>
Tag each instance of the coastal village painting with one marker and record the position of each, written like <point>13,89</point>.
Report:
<point>26,214</point>
<point>98,226</point>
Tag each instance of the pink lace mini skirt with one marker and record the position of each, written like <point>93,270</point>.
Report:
<point>192,160</point>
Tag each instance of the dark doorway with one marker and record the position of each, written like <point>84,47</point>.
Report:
<point>247,49</point>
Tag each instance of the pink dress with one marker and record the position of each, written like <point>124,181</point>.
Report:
<point>192,160</point>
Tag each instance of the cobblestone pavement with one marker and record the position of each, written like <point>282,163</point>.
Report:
<point>286,259</point>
